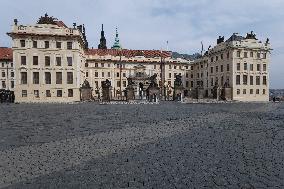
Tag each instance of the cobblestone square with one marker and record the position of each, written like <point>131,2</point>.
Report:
<point>167,145</point>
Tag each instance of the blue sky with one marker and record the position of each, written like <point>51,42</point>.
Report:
<point>148,24</point>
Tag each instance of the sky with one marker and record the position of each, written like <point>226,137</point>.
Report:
<point>149,24</point>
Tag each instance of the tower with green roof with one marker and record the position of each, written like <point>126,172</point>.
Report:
<point>116,44</point>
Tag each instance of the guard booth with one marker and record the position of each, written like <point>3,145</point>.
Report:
<point>7,96</point>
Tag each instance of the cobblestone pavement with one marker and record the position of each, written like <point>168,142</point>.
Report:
<point>170,145</point>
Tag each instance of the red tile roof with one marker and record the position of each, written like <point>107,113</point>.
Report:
<point>129,53</point>
<point>6,53</point>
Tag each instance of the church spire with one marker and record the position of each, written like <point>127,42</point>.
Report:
<point>116,44</point>
<point>102,44</point>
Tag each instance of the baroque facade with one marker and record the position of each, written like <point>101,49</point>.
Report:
<point>7,69</point>
<point>49,59</point>
<point>51,62</point>
<point>240,64</point>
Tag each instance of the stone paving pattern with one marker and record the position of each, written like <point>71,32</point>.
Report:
<point>170,145</point>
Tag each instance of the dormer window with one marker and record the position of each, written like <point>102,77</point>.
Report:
<point>46,44</point>
<point>23,43</point>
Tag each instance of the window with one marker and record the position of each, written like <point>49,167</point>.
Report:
<point>264,80</point>
<point>222,56</point>
<point>23,60</point>
<point>47,93</point>
<point>212,59</point>
<point>86,65</point>
<point>257,80</point>
<point>217,69</point>
<point>245,79</point>
<point>212,82</point>
<point>59,93</point>
<point>102,65</point>
<point>34,44</point>
<point>228,55</point>
<point>46,44</point>
<point>238,66</point>
<point>191,83</point>
<point>155,67</point>
<point>238,80</point>
<point>96,84</point>
<point>3,74</point>
<point>69,61</point>
<point>212,69</point>
<point>96,65</point>
<point>264,91</point>
<point>47,78</point>
<point>170,66</point>
<point>186,75</point>
<point>87,74</point>
<point>264,67</point>
<point>58,61</point>
<point>186,84</point>
<point>58,77</point>
<point>108,74</point>
<point>238,91</point>
<point>117,74</point>
<point>222,69</point>
<point>244,91</point>
<point>251,67</point>
<point>124,83</point>
<point>24,93</point>
<point>12,84</point>
<point>245,54</point>
<point>96,74</point>
<point>12,65</point>
<point>3,84</point>
<point>69,77</point>
<point>118,83</point>
<point>191,76</point>
<point>24,78</point>
<point>3,65</point>
<point>251,54</point>
<point>217,58</point>
<point>228,67</point>
<point>36,93</point>
<point>23,43</point>
<point>264,55</point>
<point>251,80</point>
<point>245,66</point>
<point>258,67</point>
<point>170,75</point>
<point>222,81</point>
<point>70,92</point>
<point>35,77</point>
<point>35,60</point>
<point>258,55</point>
<point>47,60</point>
<point>58,45</point>
<point>103,74</point>
<point>238,54</point>
<point>69,45</point>
<point>251,91</point>
<point>257,91</point>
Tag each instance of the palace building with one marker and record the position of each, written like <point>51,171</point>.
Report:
<point>7,69</point>
<point>238,67</point>
<point>49,62</point>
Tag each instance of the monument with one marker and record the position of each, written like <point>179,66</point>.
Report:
<point>178,89</point>
<point>86,91</point>
<point>106,90</point>
<point>129,91</point>
<point>153,91</point>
